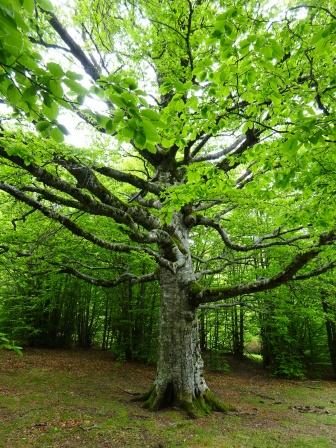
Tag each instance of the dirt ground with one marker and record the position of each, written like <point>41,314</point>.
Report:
<point>54,398</point>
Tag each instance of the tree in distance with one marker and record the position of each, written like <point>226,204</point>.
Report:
<point>227,113</point>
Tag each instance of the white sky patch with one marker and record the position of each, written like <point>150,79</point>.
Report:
<point>80,133</point>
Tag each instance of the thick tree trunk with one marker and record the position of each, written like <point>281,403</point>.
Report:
<point>179,379</point>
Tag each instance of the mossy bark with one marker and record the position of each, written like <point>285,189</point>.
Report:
<point>179,379</point>
<point>195,407</point>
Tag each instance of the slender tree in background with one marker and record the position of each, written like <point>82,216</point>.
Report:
<point>227,111</point>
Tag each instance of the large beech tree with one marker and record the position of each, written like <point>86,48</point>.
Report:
<point>225,110</point>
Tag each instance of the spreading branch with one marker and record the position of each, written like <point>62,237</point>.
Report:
<point>289,273</point>
<point>126,277</point>
<point>129,178</point>
<point>223,152</point>
<point>74,47</point>
<point>108,205</point>
<point>258,244</point>
<point>79,231</point>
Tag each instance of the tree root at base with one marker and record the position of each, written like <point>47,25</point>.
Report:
<point>195,408</point>
<point>144,397</point>
<point>204,405</point>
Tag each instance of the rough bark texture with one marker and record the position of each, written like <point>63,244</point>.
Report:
<point>179,379</point>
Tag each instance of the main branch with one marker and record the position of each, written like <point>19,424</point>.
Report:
<point>286,275</point>
<point>207,222</point>
<point>79,231</point>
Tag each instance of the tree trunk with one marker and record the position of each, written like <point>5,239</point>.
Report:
<point>331,331</point>
<point>179,380</point>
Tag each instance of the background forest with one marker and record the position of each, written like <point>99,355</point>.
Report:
<point>167,201</point>
<point>167,186</point>
<point>291,330</point>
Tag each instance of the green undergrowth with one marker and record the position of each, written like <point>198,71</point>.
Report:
<point>65,399</point>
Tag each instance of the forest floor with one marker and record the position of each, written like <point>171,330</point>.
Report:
<point>53,398</point>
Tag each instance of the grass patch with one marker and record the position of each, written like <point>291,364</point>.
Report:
<point>84,399</point>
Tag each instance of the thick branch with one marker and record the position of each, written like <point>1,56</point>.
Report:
<point>129,179</point>
<point>54,198</point>
<point>288,274</point>
<point>126,277</point>
<point>207,222</point>
<point>76,50</point>
<point>251,139</point>
<point>242,143</point>
<point>318,271</point>
<point>77,230</point>
<point>223,152</point>
<point>110,205</point>
<point>86,178</point>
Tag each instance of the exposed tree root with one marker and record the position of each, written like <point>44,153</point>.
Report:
<point>204,405</point>
<point>195,408</point>
<point>144,397</point>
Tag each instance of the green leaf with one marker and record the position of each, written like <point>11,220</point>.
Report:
<point>314,138</point>
<point>150,131</point>
<point>109,126</point>
<point>56,134</point>
<point>267,52</point>
<point>29,5</point>
<point>75,86</point>
<point>277,50</point>
<point>13,42</point>
<point>6,19</point>
<point>228,29</point>
<point>127,133</point>
<point>43,125</point>
<point>118,116</point>
<point>131,83</point>
<point>50,112</point>
<point>167,143</point>
<point>73,75</point>
<point>129,99</point>
<point>217,34</point>
<point>56,88</point>
<point>220,21</point>
<point>117,100</point>
<point>47,99</point>
<point>13,94</point>
<point>46,5</point>
<point>55,69</point>
<point>150,114</point>
<point>132,123</point>
<point>140,139</point>
<point>29,94</point>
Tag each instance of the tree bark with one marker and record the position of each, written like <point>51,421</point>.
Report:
<point>179,380</point>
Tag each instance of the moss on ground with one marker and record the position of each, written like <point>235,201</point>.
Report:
<point>84,399</point>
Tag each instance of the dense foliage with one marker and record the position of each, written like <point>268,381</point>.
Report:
<point>204,170</point>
